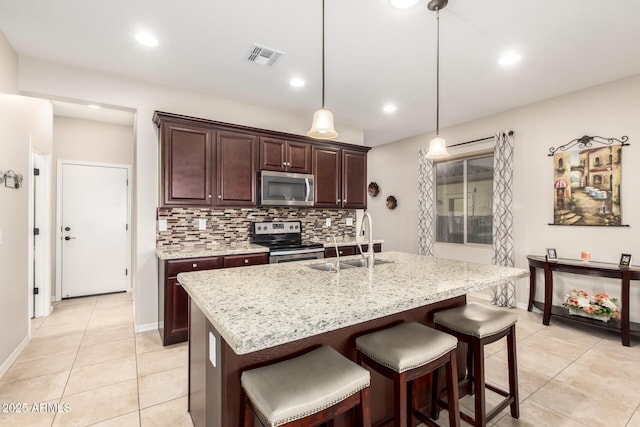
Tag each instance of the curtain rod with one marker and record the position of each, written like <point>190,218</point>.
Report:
<point>478,140</point>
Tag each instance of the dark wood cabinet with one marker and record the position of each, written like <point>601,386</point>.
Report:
<point>173,301</point>
<point>186,163</point>
<point>354,179</point>
<point>285,156</point>
<point>340,178</point>
<point>327,174</point>
<point>209,163</point>
<point>173,314</point>
<point>236,167</point>
<point>350,250</point>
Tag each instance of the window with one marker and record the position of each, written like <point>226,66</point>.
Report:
<point>464,200</point>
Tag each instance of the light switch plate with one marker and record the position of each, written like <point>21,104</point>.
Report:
<point>328,222</point>
<point>162,225</point>
<point>349,221</point>
<point>202,224</point>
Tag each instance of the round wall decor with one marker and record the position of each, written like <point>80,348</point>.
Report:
<point>373,189</point>
<point>392,202</point>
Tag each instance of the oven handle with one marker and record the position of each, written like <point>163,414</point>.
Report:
<point>297,251</point>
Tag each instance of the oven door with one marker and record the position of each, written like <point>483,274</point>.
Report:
<point>295,255</point>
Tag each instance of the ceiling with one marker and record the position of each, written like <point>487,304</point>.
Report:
<point>375,53</point>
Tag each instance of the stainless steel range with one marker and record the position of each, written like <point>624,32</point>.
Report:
<point>284,240</point>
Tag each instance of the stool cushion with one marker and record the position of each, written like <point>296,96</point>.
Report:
<point>406,346</point>
<point>476,320</point>
<point>299,387</point>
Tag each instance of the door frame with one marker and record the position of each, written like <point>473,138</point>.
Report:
<point>43,218</point>
<point>60,165</point>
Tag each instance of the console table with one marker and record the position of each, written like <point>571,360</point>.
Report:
<point>588,268</point>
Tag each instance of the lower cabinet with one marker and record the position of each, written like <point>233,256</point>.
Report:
<point>350,250</point>
<point>173,301</point>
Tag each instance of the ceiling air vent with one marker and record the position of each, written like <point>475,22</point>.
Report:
<point>263,55</point>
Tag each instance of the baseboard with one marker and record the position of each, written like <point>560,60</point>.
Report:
<point>487,297</point>
<point>13,356</point>
<point>146,327</point>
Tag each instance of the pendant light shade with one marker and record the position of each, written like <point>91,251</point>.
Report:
<point>322,124</point>
<point>437,146</point>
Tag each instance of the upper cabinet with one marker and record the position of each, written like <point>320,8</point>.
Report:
<point>237,167</point>
<point>207,163</point>
<point>285,156</point>
<point>186,164</point>
<point>340,178</point>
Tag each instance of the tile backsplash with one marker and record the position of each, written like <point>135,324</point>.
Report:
<point>229,226</point>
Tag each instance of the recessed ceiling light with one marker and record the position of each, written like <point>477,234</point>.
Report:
<point>509,58</point>
<point>146,39</point>
<point>403,4</point>
<point>94,106</point>
<point>296,82</point>
<point>389,108</point>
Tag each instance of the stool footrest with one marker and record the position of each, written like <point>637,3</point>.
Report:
<point>497,390</point>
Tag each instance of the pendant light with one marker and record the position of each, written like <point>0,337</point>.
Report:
<point>437,146</point>
<point>322,124</point>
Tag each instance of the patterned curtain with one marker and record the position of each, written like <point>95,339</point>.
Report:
<point>425,204</point>
<point>504,295</point>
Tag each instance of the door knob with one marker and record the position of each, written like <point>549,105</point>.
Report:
<point>68,238</point>
<point>67,229</point>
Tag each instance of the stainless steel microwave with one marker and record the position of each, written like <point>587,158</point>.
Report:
<point>285,189</point>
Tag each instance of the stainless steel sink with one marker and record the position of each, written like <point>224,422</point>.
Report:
<point>362,262</point>
<point>328,266</point>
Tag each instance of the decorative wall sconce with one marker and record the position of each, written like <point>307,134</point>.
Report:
<point>392,202</point>
<point>11,179</point>
<point>373,189</point>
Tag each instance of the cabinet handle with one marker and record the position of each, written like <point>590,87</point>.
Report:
<point>209,195</point>
<point>246,261</point>
<point>219,196</point>
<point>338,201</point>
<point>340,252</point>
<point>195,265</point>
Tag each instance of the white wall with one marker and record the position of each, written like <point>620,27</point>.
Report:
<point>610,110</point>
<point>8,67</point>
<point>57,81</point>
<point>21,120</point>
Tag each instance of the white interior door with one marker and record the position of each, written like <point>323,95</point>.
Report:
<point>95,235</point>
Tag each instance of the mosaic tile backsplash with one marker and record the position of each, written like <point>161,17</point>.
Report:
<point>228,226</point>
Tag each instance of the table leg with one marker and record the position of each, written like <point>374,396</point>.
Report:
<point>548,294</point>
<point>624,327</point>
<point>532,286</point>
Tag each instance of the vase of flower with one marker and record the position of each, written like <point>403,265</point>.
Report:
<point>598,306</point>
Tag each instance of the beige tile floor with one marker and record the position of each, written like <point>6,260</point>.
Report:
<point>86,357</point>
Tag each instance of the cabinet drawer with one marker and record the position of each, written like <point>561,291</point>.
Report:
<point>245,260</point>
<point>194,264</point>
<point>343,250</point>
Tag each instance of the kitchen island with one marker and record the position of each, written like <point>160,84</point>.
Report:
<point>244,318</point>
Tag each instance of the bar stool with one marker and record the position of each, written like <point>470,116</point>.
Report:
<point>306,390</point>
<point>479,325</point>
<point>405,353</point>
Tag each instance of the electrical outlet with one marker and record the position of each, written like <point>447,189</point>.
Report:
<point>349,221</point>
<point>162,225</point>
<point>328,222</point>
<point>202,224</point>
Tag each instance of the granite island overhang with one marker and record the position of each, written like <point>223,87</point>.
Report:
<point>243,318</point>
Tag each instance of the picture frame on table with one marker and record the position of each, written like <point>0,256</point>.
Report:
<point>551,255</point>
<point>625,260</point>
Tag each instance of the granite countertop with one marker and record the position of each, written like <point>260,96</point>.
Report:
<point>262,306</point>
<point>197,251</point>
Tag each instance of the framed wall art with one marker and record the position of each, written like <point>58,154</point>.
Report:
<point>587,177</point>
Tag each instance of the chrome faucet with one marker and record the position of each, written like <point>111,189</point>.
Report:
<point>369,254</point>
<point>335,245</point>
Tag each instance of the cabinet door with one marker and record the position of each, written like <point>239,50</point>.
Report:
<point>326,170</point>
<point>273,154</point>
<point>343,250</point>
<point>298,157</point>
<point>186,165</point>
<point>237,165</point>
<point>176,320</point>
<point>354,179</point>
